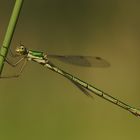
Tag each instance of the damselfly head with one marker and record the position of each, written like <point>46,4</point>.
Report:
<point>21,50</point>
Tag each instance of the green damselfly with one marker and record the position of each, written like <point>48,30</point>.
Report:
<point>43,59</point>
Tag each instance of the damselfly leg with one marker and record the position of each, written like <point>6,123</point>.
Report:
<point>15,64</point>
<point>20,71</point>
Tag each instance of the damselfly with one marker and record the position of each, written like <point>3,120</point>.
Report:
<point>44,60</point>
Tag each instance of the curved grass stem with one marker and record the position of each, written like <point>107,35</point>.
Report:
<point>10,31</point>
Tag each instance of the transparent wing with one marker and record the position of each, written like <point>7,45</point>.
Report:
<point>87,61</point>
<point>82,89</point>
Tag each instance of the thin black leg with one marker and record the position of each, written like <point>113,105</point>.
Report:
<point>19,73</point>
<point>16,63</point>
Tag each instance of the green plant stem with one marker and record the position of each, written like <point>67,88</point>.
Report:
<point>10,31</point>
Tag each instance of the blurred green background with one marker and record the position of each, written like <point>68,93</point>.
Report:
<point>43,105</point>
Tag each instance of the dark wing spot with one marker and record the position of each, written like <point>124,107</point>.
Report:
<point>98,58</point>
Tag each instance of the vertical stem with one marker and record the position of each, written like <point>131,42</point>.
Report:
<point>10,32</point>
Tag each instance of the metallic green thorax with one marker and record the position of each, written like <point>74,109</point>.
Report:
<point>36,53</point>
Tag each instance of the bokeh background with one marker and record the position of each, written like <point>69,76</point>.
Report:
<point>43,105</point>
